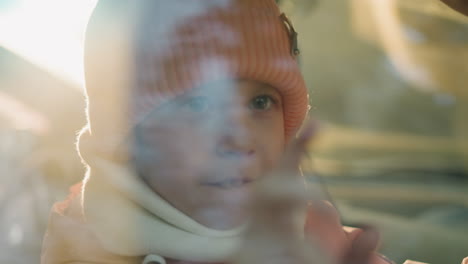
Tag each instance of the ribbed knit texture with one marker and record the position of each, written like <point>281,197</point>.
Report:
<point>247,40</point>
<point>142,54</point>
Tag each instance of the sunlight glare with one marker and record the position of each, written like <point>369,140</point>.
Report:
<point>49,34</point>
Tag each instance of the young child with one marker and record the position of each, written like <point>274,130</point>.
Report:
<point>190,105</point>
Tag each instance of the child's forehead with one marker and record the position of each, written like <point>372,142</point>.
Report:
<point>232,87</point>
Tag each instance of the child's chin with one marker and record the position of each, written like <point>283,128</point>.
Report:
<point>222,218</point>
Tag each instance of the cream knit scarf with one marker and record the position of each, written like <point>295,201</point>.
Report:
<point>131,220</point>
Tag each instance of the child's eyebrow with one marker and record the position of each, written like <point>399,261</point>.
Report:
<point>270,89</point>
<point>166,106</point>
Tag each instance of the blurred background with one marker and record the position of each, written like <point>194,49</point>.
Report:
<point>388,82</point>
<point>41,109</point>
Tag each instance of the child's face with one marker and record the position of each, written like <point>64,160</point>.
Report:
<point>203,150</point>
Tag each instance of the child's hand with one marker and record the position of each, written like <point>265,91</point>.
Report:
<point>276,233</point>
<point>280,199</point>
<point>344,245</point>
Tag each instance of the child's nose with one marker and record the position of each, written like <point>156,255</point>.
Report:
<point>236,134</point>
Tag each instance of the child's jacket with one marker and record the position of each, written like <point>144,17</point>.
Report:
<point>106,226</point>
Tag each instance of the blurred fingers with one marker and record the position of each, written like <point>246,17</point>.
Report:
<point>363,247</point>
<point>298,147</point>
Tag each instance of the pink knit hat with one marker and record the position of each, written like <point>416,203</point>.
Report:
<point>142,53</point>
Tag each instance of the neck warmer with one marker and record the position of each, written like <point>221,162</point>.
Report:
<point>132,220</point>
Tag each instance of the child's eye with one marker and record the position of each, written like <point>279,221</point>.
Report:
<point>262,102</point>
<point>198,104</point>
